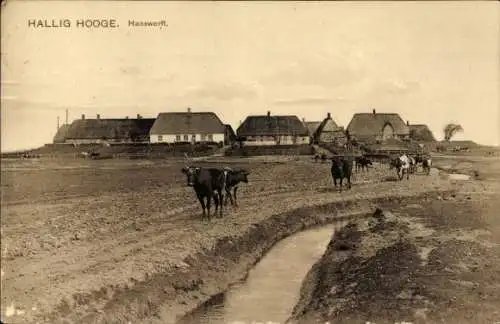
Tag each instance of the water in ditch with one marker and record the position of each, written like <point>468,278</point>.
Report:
<point>272,287</point>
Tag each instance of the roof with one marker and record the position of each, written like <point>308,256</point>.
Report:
<point>421,132</point>
<point>328,125</point>
<point>122,128</point>
<point>370,124</point>
<point>60,136</point>
<point>272,125</point>
<point>312,126</point>
<point>188,123</point>
<point>230,131</point>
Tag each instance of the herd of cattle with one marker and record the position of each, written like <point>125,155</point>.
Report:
<point>213,183</point>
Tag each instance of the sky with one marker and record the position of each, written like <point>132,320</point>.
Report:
<point>431,62</point>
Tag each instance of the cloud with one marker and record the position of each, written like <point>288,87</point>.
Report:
<point>397,87</point>
<point>330,71</point>
<point>223,92</point>
<point>307,101</point>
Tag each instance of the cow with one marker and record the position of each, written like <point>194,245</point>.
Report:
<point>207,183</point>
<point>362,163</point>
<point>419,159</point>
<point>402,165</point>
<point>426,165</point>
<point>233,179</point>
<point>342,168</point>
<point>425,161</point>
<point>412,164</point>
<point>394,162</point>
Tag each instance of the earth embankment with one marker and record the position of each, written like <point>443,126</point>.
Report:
<point>435,261</point>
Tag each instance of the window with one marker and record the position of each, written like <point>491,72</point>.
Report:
<point>160,138</point>
<point>210,137</point>
<point>203,137</point>
<point>177,138</point>
<point>186,138</point>
<point>193,138</point>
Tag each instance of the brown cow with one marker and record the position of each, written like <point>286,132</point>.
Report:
<point>342,169</point>
<point>207,183</point>
<point>233,178</point>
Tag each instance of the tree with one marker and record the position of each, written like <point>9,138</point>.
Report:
<point>450,130</point>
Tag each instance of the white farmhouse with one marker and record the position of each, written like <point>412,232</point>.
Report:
<point>193,127</point>
<point>273,130</point>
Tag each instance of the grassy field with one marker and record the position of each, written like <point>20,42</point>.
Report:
<point>76,232</point>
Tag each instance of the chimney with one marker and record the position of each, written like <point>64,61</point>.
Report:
<point>407,123</point>
<point>328,116</point>
<point>66,116</point>
<point>126,117</point>
<point>303,120</point>
<point>83,116</point>
<point>58,122</point>
<point>189,109</point>
<point>268,113</point>
<point>374,112</point>
<point>98,116</point>
<point>139,116</point>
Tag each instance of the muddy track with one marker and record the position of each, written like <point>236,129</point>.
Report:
<point>208,272</point>
<point>181,206</point>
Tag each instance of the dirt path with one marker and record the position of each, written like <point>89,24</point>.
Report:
<point>73,257</point>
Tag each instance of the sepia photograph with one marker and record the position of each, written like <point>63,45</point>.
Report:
<point>250,162</point>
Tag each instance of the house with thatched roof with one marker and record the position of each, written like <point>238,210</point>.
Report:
<point>61,134</point>
<point>421,133</point>
<point>109,130</point>
<point>312,126</point>
<point>230,135</point>
<point>329,132</point>
<point>368,127</point>
<point>193,127</point>
<point>273,130</point>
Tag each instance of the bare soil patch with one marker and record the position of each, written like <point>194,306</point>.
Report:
<point>112,241</point>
